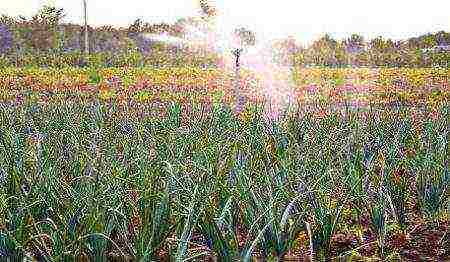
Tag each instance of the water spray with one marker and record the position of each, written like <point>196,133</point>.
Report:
<point>213,34</point>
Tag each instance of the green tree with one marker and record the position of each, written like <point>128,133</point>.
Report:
<point>378,48</point>
<point>246,37</point>
<point>285,50</point>
<point>43,27</point>
<point>50,15</point>
<point>323,51</point>
<point>354,45</point>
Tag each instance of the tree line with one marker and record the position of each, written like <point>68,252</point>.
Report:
<point>45,40</point>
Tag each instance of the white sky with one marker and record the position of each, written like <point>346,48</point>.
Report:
<point>305,20</point>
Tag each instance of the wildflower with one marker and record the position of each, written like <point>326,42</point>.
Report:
<point>122,99</point>
<point>434,115</point>
<point>115,82</point>
<point>321,114</point>
<point>207,100</point>
<point>312,89</point>
<point>19,99</point>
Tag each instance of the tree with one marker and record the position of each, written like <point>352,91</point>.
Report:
<point>245,36</point>
<point>50,15</point>
<point>443,38</point>
<point>323,51</point>
<point>354,45</point>
<point>134,32</point>
<point>207,9</point>
<point>285,50</point>
<point>135,28</point>
<point>340,54</point>
<point>42,29</point>
<point>429,41</point>
<point>377,47</point>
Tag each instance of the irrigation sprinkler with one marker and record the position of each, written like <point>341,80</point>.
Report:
<point>237,53</point>
<point>237,83</point>
<point>242,38</point>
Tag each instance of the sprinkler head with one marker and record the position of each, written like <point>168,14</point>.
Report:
<point>237,53</point>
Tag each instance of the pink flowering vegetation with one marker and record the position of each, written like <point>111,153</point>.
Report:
<point>274,85</point>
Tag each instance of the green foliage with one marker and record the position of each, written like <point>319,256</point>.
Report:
<point>4,62</point>
<point>94,77</point>
<point>93,180</point>
<point>45,33</point>
<point>326,219</point>
<point>433,192</point>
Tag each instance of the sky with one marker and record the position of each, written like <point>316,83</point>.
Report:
<point>304,20</point>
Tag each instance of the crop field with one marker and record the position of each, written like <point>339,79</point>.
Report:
<point>364,85</point>
<point>142,164</point>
